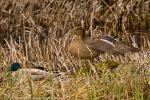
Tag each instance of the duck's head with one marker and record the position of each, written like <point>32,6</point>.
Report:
<point>79,32</point>
<point>15,66</point>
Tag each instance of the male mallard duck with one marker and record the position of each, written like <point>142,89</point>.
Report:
<point>28,73</point>
<point>89,48</point>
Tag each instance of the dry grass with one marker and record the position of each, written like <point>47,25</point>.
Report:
<point>38,31</point>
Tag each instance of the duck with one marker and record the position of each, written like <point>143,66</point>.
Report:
<point>120,48</point>
<point>33,74</point>
<point>89,48</point>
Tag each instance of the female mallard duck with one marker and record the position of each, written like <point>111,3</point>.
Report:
<point>29,73</point>
<point>89,48</point>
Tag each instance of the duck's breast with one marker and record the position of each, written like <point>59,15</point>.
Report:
<point>81,50</point>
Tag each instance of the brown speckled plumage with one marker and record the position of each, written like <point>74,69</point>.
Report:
<point>89,48</point>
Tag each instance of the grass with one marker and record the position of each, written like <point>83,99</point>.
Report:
<point>38,31</point>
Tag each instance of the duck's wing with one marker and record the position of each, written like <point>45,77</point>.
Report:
<point>108,44</point>
<point>108,38</point>
<point>37,74</point>
<point>120,47</point>
<point>33,71</point>
<point>101,44</point>
<point>123,48</point>
<point>37,77</point>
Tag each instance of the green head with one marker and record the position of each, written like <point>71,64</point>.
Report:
<point>15,66</point>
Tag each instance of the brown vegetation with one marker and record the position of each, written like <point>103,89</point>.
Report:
<point>38,31</point>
